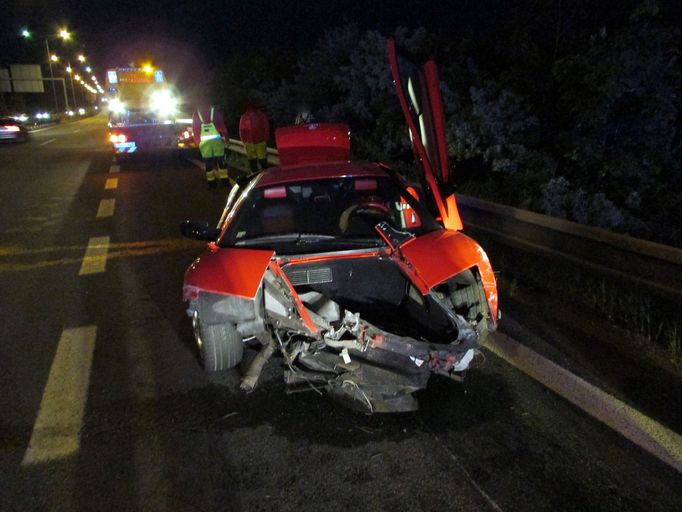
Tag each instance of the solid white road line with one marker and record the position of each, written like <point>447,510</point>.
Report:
<point>95,259</point>
<point>198,163</point>
<point>56,433</point>
<point>106,208</point>
<point>655,438</point>
<point>76,131</point>
<point>47,142</point>
<point>114,168</point>
<point>111,183</point>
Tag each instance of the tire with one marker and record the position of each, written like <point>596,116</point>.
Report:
<point>220,345</point>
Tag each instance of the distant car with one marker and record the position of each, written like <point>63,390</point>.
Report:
<point>365,287</point>
<point>12,130</point>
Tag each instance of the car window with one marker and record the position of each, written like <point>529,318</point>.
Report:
<point>329,212</point>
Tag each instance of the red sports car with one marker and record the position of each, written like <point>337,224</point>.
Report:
<point>363,285</point>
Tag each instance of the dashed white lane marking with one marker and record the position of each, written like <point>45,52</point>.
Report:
<point>47,142</point>
<point>111,183</point>
<point>76,131</point>
<point>114,168</point>
<point>658,440</point>
<point>56,433</point>
<point>106,208</point>
<point>95,260</point>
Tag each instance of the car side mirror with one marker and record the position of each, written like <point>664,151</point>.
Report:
<point>199,231</point>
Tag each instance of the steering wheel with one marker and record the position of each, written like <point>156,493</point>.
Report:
<point>375,210</point>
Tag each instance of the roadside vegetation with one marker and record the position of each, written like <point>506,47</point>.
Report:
<point>567,108</point>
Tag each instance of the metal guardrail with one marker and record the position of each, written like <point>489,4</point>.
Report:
<point>656,266</point>
<point>237,146</point>
<point>641,262</point>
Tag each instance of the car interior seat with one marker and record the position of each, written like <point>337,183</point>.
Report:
<point>278,217</point>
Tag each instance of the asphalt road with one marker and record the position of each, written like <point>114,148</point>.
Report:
<point>104,405</point>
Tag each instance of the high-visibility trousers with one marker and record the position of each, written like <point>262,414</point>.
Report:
<point>212,148</point>
<point>254,151</point>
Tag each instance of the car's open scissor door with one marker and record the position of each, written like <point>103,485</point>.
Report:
<point>418,91</point>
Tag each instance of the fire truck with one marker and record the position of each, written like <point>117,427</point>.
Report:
<point>143,111</point>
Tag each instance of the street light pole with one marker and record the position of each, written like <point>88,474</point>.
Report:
<point>73,90</point>
<point>49,62</point>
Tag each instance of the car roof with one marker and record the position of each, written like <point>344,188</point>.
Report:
<point>295,173</point>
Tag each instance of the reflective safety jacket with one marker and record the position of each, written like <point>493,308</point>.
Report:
<point>209,115</point>
<point>254,127</point>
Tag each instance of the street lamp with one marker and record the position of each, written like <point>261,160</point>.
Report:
<point>65,36</point>
<point>81,58</point>
<point>69,70</point>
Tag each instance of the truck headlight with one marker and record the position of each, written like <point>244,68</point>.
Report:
<point>116,106</point>
<point>163,103</point>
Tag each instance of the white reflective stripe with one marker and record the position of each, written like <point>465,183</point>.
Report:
<point>209,137</point>
<point>211,114</point>
<point>200,116</point>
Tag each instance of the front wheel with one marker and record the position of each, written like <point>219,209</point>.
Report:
<point>220,345</point>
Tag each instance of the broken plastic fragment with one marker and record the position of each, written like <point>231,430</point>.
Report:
<point>463,363</point>
<point>416,361</point>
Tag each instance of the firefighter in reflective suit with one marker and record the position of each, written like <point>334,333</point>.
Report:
<point>254,130</point>
<point>210,134</point>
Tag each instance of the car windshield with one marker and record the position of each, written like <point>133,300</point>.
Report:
<point>325,215</point>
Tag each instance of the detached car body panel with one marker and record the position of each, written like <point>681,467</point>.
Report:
<point>235,272</point>
<point>358,281</point>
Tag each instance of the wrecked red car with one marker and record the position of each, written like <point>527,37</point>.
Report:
<point>364,286</point>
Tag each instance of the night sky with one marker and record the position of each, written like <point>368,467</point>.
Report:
<point>187,37</point>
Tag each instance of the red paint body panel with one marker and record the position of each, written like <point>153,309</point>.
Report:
<point>438,119</point>
<point>228,271</point>
<point>281,175</point>
<point>434,166</point>
<point>441,255</point>
<point>313,143</point>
